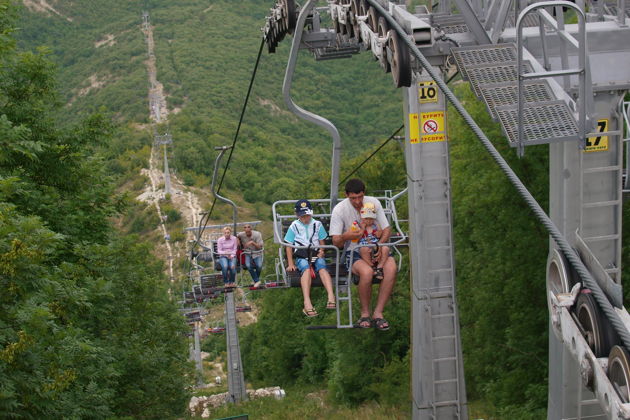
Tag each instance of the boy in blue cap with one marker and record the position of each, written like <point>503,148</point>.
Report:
<point>308,232</point>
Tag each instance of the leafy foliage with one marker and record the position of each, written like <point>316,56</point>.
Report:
<point>87,329</point>
<point>500,271</point>
<point>57,193</point>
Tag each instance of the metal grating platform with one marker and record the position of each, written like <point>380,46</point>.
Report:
<point>612,10</point>
<point>494,73</point>
<point>454,29</point>
<point>531,20</point>
<point>466,57</point>
<point>505,94</point>
<point>331,53</point>
<point>542,123</point>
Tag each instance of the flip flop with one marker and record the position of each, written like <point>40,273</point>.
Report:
<point>381,324</point>
<point>310,312</point>
<point>331,305</point>
<point>364,319</point>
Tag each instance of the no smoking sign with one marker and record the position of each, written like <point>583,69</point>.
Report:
<point>432,124</point>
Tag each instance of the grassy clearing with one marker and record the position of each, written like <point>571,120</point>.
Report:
<point>310,404</point>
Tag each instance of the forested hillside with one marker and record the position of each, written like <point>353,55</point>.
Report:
<point>205,53</point>
<point>87,328</point>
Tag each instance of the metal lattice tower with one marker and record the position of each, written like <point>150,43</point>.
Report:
<point>236,380</point>
<point>545,82</point>
<point>165,139</point>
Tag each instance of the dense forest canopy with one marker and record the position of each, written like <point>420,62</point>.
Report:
<point>87,328</point>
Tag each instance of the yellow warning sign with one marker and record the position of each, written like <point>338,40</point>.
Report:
<point>600,143</point>
<point>427,92</point>
<point>432,126</point>
<point>414,129</point>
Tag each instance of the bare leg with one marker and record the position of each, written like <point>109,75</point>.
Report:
<point>365,273</point>
<point>327,282</point>
<point>366,254</point>
<point>383,256</point>
<point>305,281</point>
<point>387,285</point>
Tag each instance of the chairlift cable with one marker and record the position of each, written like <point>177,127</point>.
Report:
<point>540,214</point>
<point>238,128</point>
<point>393,135</point>
<point>372,154</point>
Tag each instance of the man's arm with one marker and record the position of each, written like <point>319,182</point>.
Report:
<point>338,241</point>
<point>258,242</point>
<point>385,234</point>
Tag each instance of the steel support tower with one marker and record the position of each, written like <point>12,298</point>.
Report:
<point>439,391</point>
<point>547,83</point>
<point>165,140</point>
<point>236,379</point>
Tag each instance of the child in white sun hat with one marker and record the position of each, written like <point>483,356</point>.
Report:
<point>371,235</point>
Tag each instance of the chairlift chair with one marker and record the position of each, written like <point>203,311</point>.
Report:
<point>217,329</point>
<point>243,306</point>
<point>193,316</point>
<point>283,216</point>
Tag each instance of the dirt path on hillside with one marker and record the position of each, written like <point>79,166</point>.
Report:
<point>186,200</point>
<point>43,7</point>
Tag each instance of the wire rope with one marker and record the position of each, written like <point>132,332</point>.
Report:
<point>371,154</point>
<point>554,232</point>
<point>207,215</point>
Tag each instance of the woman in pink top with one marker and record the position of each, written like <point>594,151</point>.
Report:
<point>226,248</point>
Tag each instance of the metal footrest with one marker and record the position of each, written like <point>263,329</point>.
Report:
<point>450,24</point>
<point>466,57</point>
<point>332,53</point>
<point>505,94</point>
<point>542,123</point>
<point>530,20</point>
<point>612,10</point>
<point>494,73</point>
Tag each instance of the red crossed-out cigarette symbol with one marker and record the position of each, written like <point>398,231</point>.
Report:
<point>430,126</point>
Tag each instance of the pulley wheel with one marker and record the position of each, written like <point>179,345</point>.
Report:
<point>383,28</point>
<point>559,278</point>
<point>291,15</point>
<point>363,7</point>
<point>619,372</point>
<point>372,20</point>
<point>354,12</point>
<point>349,25</point>
<point>400,65</point>
<point>337,26</point>
<point>597,332</point>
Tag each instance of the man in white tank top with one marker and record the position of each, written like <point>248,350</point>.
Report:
<point>345,232</point>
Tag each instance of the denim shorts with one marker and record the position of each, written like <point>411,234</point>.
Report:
<point>351,257</point>
<point>302,264</point>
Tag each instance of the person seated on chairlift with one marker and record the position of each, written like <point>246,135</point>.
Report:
<point>226,248</point>
<point>371,235</point>
<point>252,245</point>
<point>345,233</point>
<point>306,231</point>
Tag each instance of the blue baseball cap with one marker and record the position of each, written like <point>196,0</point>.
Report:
<point>303,207</point>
